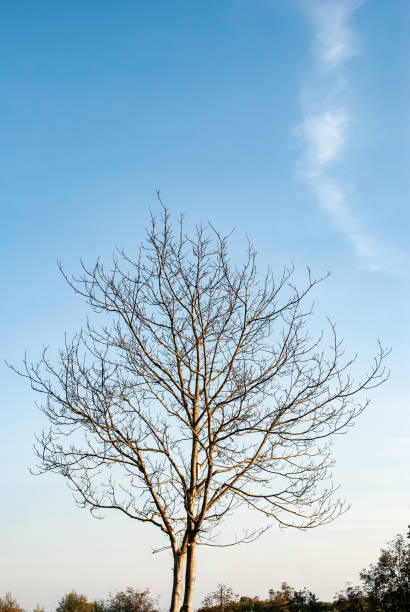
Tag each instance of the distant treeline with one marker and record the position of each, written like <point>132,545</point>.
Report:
<point>385,587</point>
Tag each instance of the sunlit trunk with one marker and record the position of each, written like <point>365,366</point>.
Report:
<point>190,574</point>
<point>178,580</point>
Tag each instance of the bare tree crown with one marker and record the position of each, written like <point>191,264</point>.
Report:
<point>202,391</point>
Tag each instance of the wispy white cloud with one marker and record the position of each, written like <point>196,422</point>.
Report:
<point>332,199</point>
<point>334,39</point>
<point>325,134</point>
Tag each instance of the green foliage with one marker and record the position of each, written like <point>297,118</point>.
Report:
<point>220,598</point>
<point>280,600</point>
<point>8,604</point>
<point>290,600</point>
<point>72,602</point>
<point>387,583</point>
<point>304,600</point>
<point>351,600</point>
<point>131,600</point>
<point>98,606</point>
<point>287,599</point>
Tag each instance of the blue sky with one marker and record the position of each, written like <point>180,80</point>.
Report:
<point>287,120</point>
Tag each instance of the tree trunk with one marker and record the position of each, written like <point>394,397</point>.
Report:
<point>190,574</point>
<point>178,578</point>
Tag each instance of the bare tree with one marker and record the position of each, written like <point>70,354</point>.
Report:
<point>201,391</point>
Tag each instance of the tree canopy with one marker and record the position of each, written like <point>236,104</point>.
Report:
<point>74,602</point>
<point>9,604</point>
<point>131,600</point>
